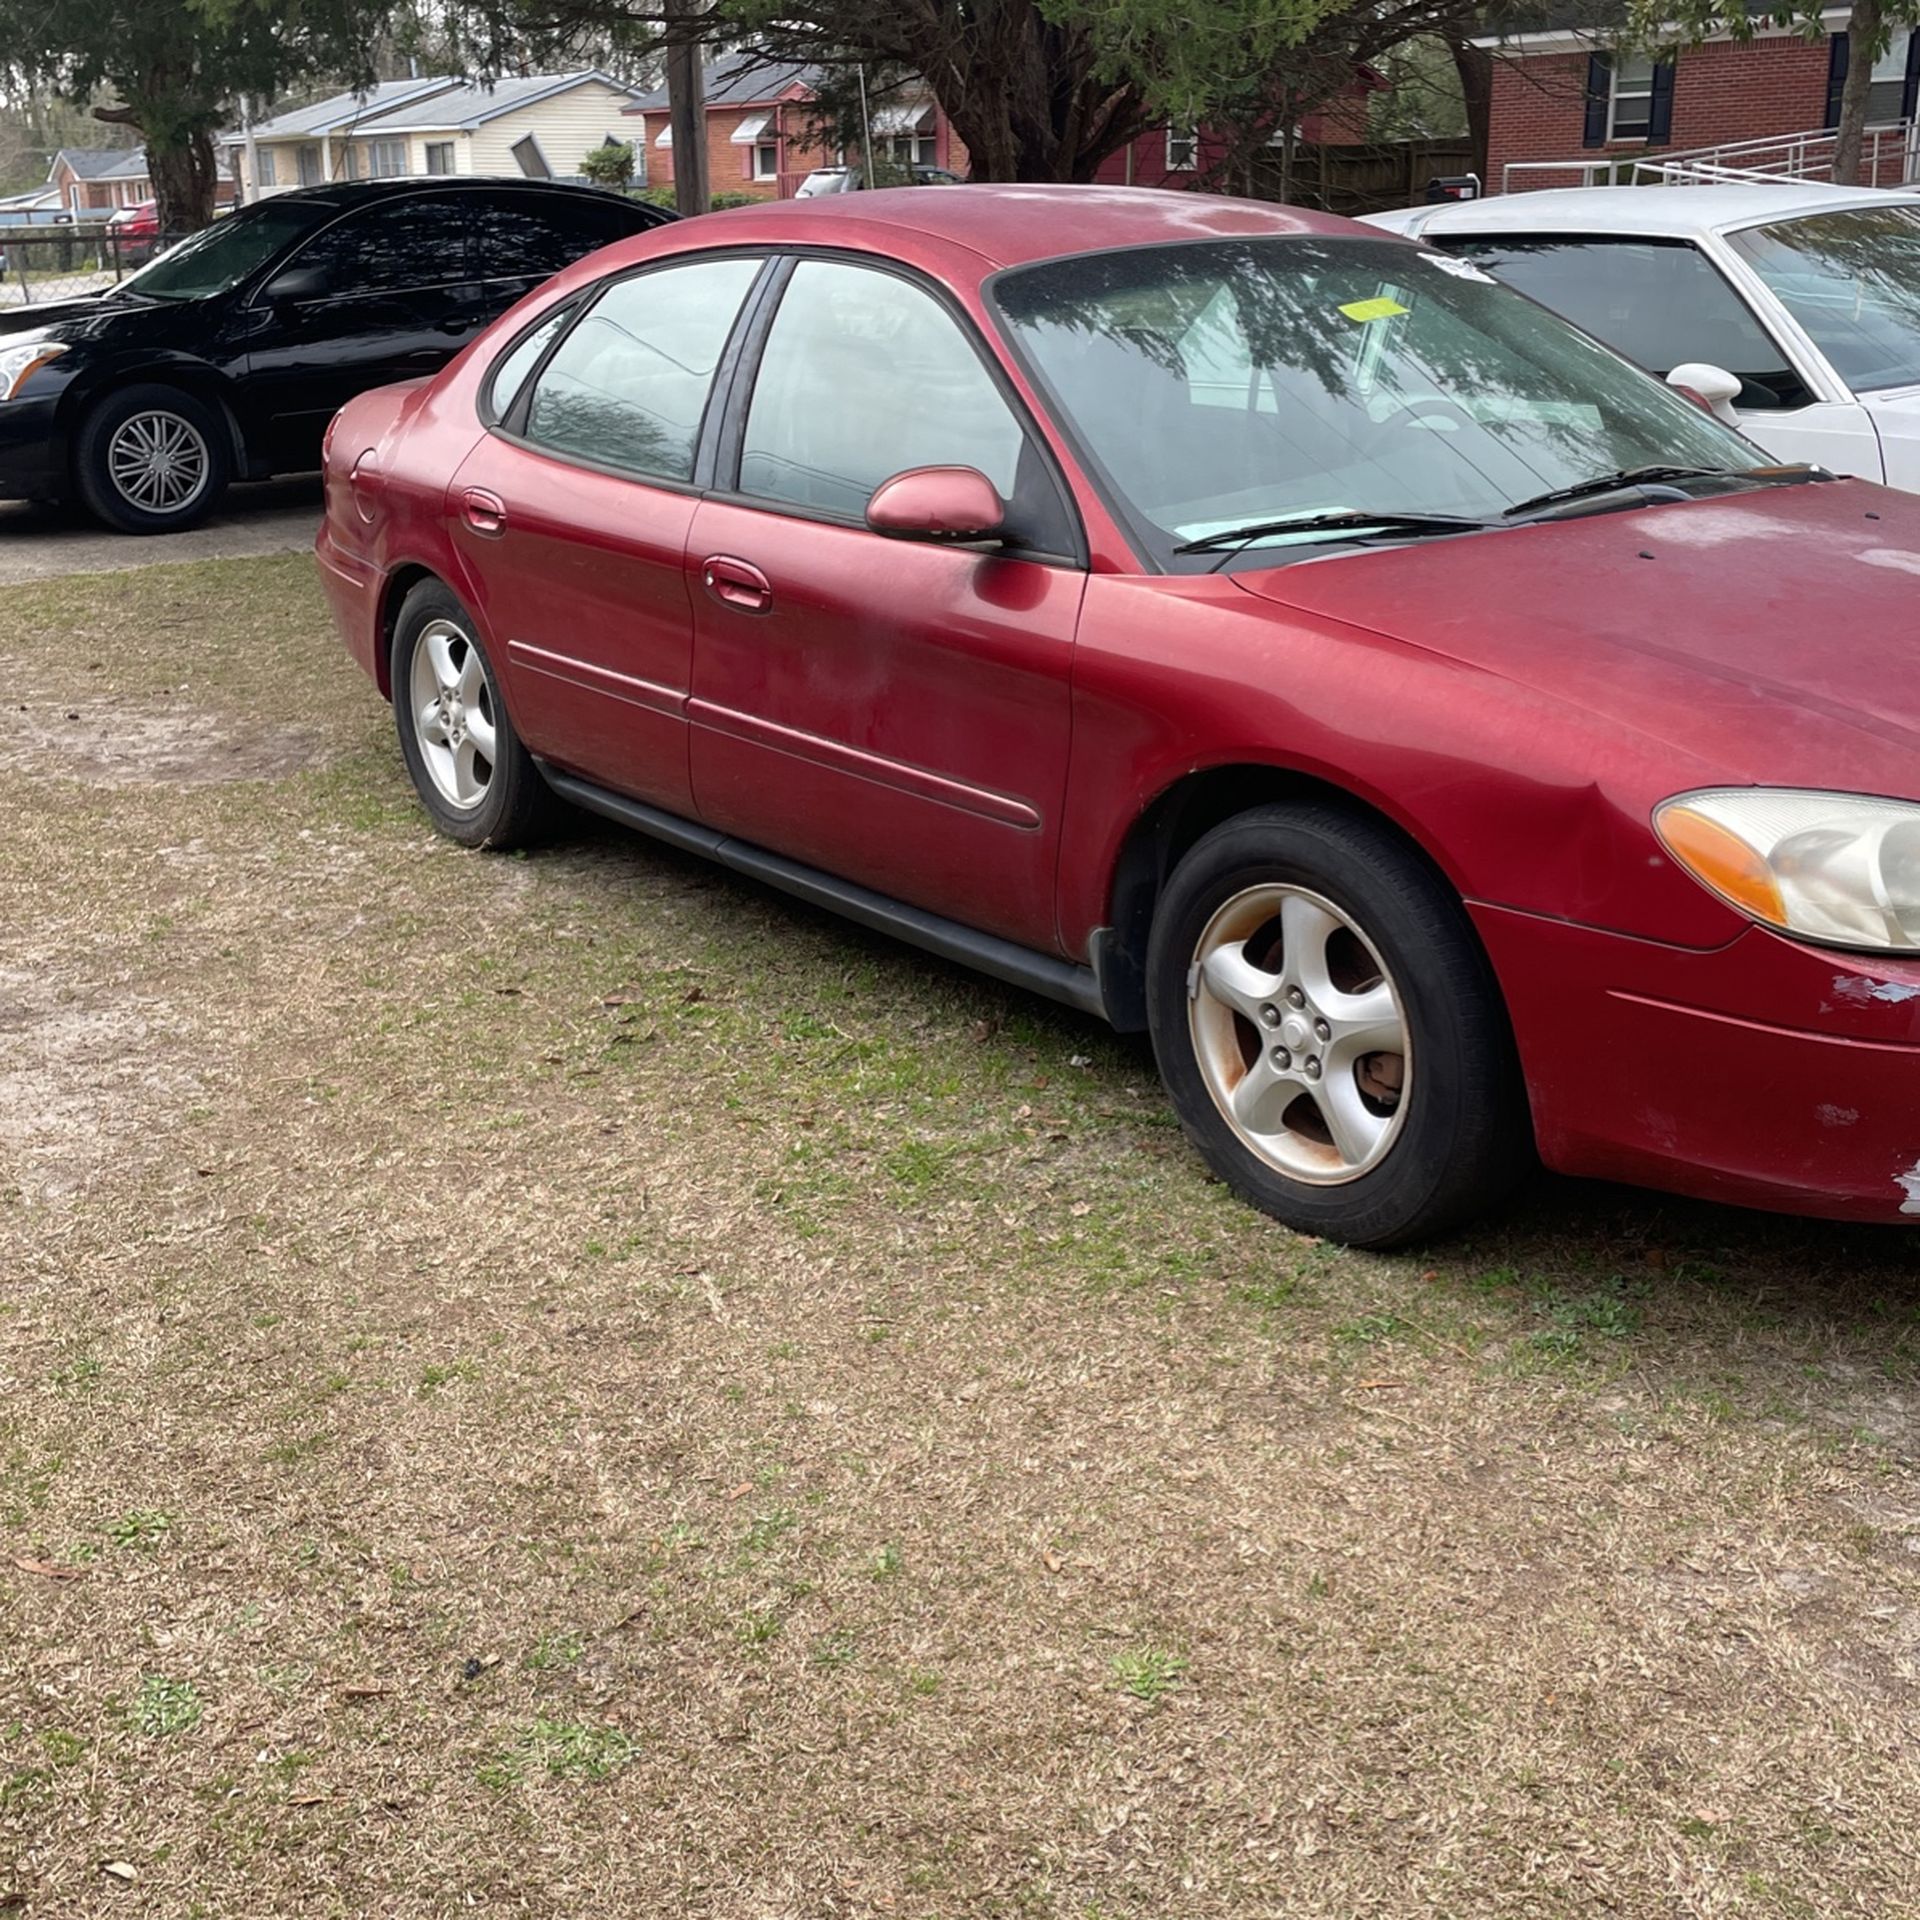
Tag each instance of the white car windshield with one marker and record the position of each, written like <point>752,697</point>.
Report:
<point>1852,280</point>
<point>1230,384</point>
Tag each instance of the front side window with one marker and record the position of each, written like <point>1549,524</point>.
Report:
<point>1660,302</point>
<point>1227,384</point>
<point>522,233</point>
<point>628,386</point>
<point>419,240</point>
<point>1852,280</point>
<point>865,375</point>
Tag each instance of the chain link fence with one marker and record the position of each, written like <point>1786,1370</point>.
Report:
<point>40,265</point>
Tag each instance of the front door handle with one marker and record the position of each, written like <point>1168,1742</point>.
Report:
<point>736,584</point>
<point>485,513</point>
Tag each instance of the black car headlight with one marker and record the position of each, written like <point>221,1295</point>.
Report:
<point>18,364</point>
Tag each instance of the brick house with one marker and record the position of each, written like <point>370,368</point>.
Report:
<point>764,137</point>
<point>1562,96</point>
<point>1184,156</point>
<point>102,180</point>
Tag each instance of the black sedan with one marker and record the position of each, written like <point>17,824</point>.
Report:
<point>227,356</point>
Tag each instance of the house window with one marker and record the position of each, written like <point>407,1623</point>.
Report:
<point>766,160</point>
<point>1887,96</point>
<point>913,150</point>
<point>529,159</point>
<point>1630,115</point>
<point>440,156</point>
<point>386,159</point>
<point>309,163</point>
<point>1183,149</point>
<point>263,167</point>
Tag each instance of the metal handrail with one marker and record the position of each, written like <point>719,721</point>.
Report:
<point>1889,156</point>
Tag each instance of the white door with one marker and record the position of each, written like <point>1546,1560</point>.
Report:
<point>1834,434</point>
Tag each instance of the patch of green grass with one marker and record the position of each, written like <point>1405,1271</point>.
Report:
<point>887,1563</point>
<point>79,1375</point>
<point>568,1750</point>
<point>553,1652</point>
<point>1372,1330</point>
<point>433,1378</point>
<point>1149,1674</point>
<point>165,1707</point>
<point>140,1530</point>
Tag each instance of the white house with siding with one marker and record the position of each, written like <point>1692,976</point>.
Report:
<point>538,126</point>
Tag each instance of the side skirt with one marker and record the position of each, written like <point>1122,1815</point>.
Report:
<point>1019,966</point>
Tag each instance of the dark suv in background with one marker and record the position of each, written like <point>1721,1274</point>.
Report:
<point>226,357</point>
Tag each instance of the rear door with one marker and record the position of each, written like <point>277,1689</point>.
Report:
<point>396,299</point>
<point>571,518</point>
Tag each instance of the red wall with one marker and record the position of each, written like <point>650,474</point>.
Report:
<point>800,153</point>
<point>1721,92</point>
<point>1342,122</point>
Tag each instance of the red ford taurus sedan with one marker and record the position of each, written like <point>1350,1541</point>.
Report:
<point>1242,624</point>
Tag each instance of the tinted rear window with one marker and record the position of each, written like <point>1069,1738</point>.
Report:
<point>518,234</point>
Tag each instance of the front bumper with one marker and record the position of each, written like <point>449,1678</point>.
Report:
<point>32,458</point>
<point>1764,1073</point>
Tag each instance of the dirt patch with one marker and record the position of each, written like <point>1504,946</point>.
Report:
<point>122,746</point>
<point>77,1073</point>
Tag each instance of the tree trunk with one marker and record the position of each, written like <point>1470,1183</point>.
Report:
<point>183,184</point>
<point>687,108</point>
<point>1474,65</point>
<point>1865,30</point>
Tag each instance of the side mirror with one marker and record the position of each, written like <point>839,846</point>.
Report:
<point>297,284</point>
<point>937,503</point>
<point>1707,386</point>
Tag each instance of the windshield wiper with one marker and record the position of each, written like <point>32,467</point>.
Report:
<point>1352,521</point>
<point>1630,477</point>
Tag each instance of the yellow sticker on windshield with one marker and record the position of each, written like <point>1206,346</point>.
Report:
<point>1380,309</point>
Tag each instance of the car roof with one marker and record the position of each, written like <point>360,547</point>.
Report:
<point>339,195</point>
<point>1009,225</point>
<point>1657,212</point>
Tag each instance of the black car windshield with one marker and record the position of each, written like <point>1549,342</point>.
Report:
<point>224,254</point>
<point>1852,279</point>
<point>1236,383</point>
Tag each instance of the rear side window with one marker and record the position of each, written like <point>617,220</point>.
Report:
<point>519,236</point>
<point>1659,302</point>
<point>627,387</point>
<point>510,373</point>
<point>417,241</point>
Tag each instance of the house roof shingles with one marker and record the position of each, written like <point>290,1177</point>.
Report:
<point>739,80</point>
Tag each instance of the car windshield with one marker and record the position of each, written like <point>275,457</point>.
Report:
<point>1228,384</point>
<point>222,255</point>
<point>1852,280</point>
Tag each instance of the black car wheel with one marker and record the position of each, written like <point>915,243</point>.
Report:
<point>151,459</point>
<point>468,766</point>
<point>1330,1030</point>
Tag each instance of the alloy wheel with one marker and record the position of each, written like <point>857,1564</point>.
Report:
<point>158,461</point>
<point>1300,1034</point>
<point>452,708</point>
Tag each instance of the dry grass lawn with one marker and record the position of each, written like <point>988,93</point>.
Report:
<point>572,1386</point>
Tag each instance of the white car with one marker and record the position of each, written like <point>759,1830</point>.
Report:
<point>1806,294</point>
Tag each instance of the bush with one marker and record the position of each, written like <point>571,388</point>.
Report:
<point>610,164</point>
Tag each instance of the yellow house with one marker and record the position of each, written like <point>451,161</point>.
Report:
<point>536,126</point>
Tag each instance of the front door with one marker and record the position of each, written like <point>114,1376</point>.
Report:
<point>895,712</point>
<point>391,299</point>
<point>572,516</point>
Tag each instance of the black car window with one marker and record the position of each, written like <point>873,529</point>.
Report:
<point>863,376</point>
<point>627,387</point>
<point>419,240</point>
<point>1660,302</point>
<point>519,236</point>
<point>222,255</point>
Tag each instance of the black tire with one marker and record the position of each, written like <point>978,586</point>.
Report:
<point>516,805</point>
<point>1464,1137</point>
<point>203,437</point>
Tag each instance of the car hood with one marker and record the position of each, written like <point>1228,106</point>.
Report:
<point>76,320</point>
<point>1772,635</point>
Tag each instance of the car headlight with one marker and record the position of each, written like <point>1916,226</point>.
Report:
<point>1840,868</point>
<point>17,363</point>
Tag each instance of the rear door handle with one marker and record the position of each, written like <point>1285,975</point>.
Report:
<point>736,584</point>
<point>485,512</point>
